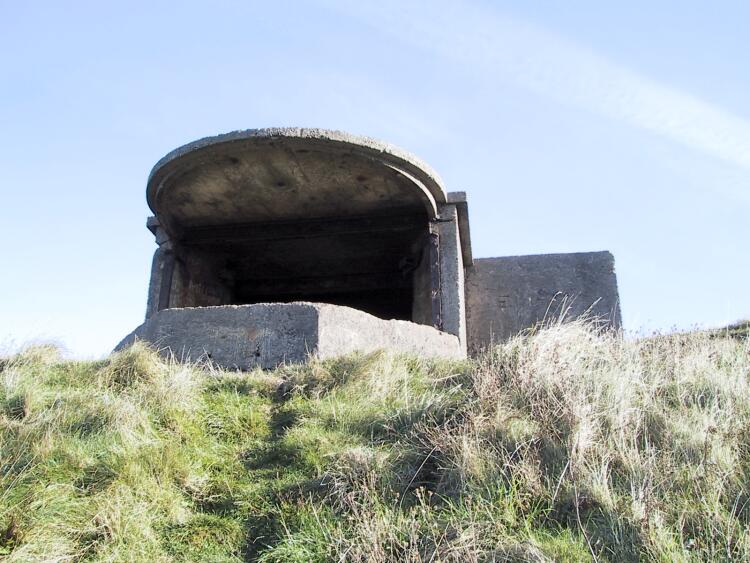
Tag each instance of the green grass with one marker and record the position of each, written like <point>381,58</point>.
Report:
<point>567,445</point>
<point>738,330</point>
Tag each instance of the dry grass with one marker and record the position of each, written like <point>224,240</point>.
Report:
<point>568,444</point>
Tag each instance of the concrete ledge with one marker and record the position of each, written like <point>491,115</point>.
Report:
<point>270,334</point>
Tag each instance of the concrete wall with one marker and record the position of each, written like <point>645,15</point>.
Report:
<point>267,335</point>
<point>451,274</point>
<point>161,276</point>
<point>507,295</point>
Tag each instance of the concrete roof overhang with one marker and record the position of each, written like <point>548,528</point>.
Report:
<point>288,174</point>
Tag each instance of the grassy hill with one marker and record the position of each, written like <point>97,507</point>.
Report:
<point>565,445</point>
<point>739,330</point>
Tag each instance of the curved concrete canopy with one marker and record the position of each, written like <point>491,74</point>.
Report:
<point>263,175</point>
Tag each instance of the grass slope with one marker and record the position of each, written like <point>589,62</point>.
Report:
<point>565,445</point>
<point>739,330</point>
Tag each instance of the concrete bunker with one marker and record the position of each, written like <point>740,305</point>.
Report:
<point>275,244</point>
<point>278,216</point>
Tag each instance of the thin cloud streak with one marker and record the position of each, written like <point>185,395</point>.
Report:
<point>535,59</point>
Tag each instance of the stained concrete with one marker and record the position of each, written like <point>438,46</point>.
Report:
<point>285,174</point>
<point>507,295</point>
<point>458,199</point>
<point>453,314</point>
<point>270,334</point>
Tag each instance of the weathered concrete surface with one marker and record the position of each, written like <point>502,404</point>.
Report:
<point>507,295</point>
<point>342,330</point>
<point>287,174</point>
<point>270,334</point>
<point>453,314</point>
<point>462,209</point>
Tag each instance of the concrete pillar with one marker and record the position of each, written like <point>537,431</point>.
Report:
<point>453,307</point>
<point>162,267</point>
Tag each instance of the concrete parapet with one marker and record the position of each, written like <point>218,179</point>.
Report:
<point>269,334</point>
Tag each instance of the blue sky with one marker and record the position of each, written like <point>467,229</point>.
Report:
<point>573,126</point>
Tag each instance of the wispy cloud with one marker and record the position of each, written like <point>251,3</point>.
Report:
<point>545,63</point>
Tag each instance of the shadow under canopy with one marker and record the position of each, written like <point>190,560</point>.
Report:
<point>281,215</point>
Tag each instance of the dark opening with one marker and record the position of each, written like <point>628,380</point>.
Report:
<point>389,303</point>
<point>370,264</point>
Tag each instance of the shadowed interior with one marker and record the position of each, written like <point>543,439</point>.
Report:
<point>297,215</point>
<point>375,264</point>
